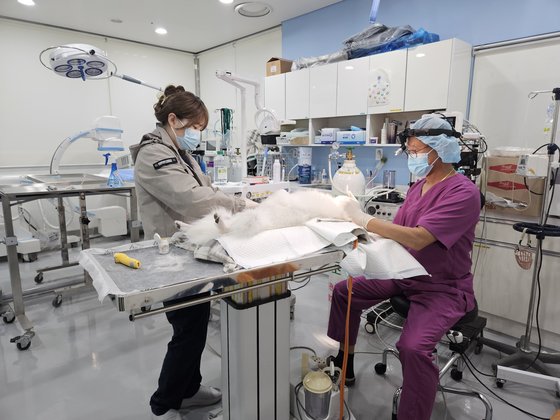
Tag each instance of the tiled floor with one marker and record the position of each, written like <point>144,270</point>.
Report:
<point>88,361</point>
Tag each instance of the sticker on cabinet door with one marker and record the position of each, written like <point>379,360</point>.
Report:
<point>379,91</point>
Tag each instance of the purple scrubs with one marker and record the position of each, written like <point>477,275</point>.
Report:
<point>449,210</point>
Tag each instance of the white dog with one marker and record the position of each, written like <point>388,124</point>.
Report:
<point>281,209</point>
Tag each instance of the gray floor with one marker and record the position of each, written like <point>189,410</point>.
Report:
<point>88,361</point>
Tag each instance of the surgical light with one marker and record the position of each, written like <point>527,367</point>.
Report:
<point>83,61</point>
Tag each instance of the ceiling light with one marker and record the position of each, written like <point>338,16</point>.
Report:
<point>253,9</point>
<point>27,2</point>
<point>161,31</point>
<point>349,68</point>
<point>420,55</point>
<point>226,1</point>
<point>116,20</point>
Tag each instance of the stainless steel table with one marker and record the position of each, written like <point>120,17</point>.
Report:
<point>35,187</point>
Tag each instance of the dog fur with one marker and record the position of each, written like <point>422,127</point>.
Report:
<point>281,209</point>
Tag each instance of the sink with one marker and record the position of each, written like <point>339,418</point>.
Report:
<point>74,179</point>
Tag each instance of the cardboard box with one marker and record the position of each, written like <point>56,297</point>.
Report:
<point>502,180</point>
<point>278,66</point>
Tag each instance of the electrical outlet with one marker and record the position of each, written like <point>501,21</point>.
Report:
<point>378,154</point>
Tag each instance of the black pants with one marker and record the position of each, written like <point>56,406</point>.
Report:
<point>180,374</point>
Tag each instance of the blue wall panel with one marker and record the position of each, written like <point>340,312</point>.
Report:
<point>476,22</point>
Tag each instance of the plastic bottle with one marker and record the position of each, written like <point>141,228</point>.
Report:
<point>235,173</point>
<point>384,134</point>
<point>210,167</point>
<point>324,177</point>
<point>276,171</point>
<point>220,169</point>
<point>115,179</point>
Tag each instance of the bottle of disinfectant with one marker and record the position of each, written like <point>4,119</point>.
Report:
<point>220,169</point>
<point>115,179</point>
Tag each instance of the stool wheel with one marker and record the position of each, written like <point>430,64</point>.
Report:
<point>500,383</point>
<point>456,374</point>
<point>370,328</point>
<point>380,368</point>
<point>478,348</point>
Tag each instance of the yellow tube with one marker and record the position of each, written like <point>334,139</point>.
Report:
<point>124,259</point>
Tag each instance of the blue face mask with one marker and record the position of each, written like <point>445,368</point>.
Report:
<point>188,141</point>
<point>419,165</point>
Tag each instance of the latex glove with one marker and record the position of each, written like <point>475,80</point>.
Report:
<point>353,209</point>
<point>250,204</point>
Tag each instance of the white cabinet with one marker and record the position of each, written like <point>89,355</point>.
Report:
<point>297,94</point>
<point>352,87</point>
<point>322,90</point>
<point>275,95</point>
<point>386,87</point>
<point>437,76</point>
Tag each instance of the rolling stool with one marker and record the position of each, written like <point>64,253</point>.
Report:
<point>463,336</point>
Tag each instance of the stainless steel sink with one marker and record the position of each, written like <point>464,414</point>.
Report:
<point>73,179</point>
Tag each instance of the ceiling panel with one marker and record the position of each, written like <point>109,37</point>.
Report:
<point>192,25</point>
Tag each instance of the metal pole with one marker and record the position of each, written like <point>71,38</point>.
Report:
<point>134,222</point>
<point>11,250</point>
<point>525,342</point>
<point>63,233</point>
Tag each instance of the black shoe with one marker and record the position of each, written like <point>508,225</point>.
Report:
<point>350,377</point>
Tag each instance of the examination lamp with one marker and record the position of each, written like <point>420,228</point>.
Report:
<point>106,131</point>
<point>83,61</point>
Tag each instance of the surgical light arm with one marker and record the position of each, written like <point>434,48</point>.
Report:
<point>107,133</point>
<point>83,61</point>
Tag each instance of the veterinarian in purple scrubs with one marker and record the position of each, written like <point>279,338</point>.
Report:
<point>436,225</point>
<point>171,186</point>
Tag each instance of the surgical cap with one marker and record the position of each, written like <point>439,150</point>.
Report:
<point>447,147</point>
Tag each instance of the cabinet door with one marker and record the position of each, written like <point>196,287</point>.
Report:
<point>427,76</point>
<point>297,94</point>
<point>275,95</point>
<point>351,96</point>
<point>322,92</point>
<point>386,87</point>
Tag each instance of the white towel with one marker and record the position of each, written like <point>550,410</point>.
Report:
<point>382,259</point>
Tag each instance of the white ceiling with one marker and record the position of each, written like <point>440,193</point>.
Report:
<point>192,25</point>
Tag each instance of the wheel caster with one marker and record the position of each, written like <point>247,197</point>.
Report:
<point>456,374</point>
<point>370,328</point>
<point>57,301</point>
<point>39,278</point>
<point>24,343</point>
<point>478,348</point>
<point>380,368</point>
<point>32,256</point>
<point>8,317</point>
<point>500,383</point>
<point>145,308</point>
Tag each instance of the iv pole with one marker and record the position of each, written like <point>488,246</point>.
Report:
<point>522,354</point>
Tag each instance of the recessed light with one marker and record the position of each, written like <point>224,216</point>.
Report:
<point>27,2</point>
<point>349,68</point>
<point>161,31</point>
<point>116,20</point>
<point>253,9</point>
<point>420,55</point>
<point>226,1</point>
